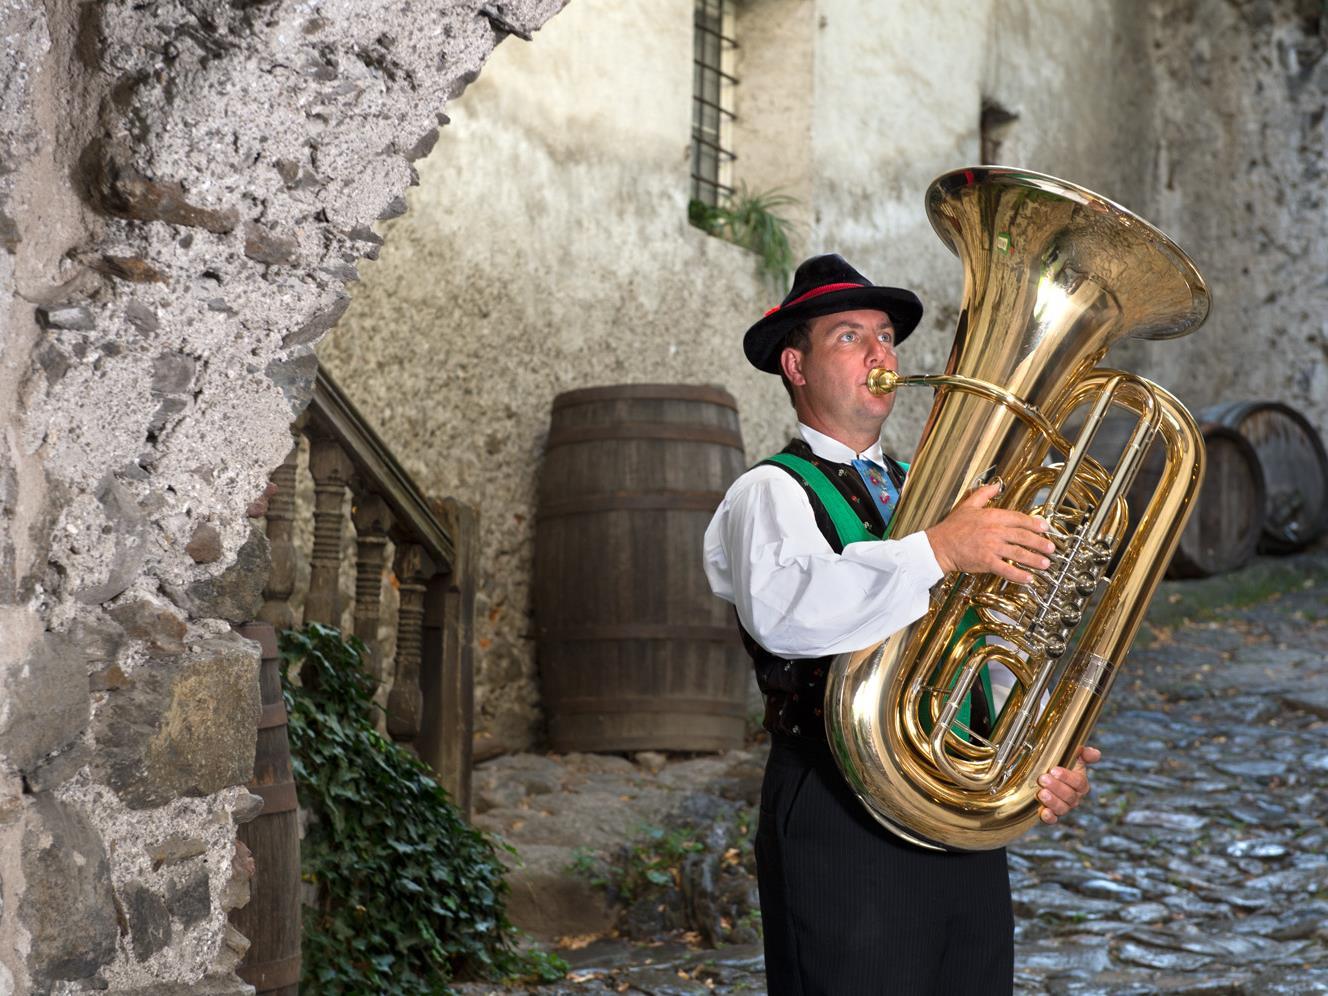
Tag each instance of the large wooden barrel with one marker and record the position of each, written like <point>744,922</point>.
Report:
<point>1223,531</point>
<point>1295,469</point>
<point>634,651</point>
<point>271,918</point>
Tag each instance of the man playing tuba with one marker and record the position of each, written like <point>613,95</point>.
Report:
<point>798,546</point>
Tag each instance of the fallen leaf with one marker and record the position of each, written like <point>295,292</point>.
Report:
<point>575,942</point>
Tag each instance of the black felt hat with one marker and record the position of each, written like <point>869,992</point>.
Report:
<point>824,285</point>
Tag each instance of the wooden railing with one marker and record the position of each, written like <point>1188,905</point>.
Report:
<point>429,700</point>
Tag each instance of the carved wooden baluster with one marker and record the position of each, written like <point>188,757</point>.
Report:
<point>280,524</point>
<point>331,470</point>
<point>413,570</point>
<point>447,666</point>
<point>373,520</point>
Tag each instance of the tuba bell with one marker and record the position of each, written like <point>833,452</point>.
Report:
<point>1053,276</point>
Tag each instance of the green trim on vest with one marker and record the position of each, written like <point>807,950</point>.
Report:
<point>851,529</point>
<point>848,524</point>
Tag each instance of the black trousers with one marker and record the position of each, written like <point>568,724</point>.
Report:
<point>849,909</point>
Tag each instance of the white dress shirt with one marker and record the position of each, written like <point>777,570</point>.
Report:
<point>794,594</point>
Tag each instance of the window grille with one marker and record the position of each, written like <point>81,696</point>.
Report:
<point>712,101</point>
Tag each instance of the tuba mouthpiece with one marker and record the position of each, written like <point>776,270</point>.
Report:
<point>882,381</point>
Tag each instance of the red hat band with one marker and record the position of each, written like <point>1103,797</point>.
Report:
<point>815,292</point>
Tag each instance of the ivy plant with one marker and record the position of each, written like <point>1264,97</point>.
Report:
<point>752,220</point>
<point>409,896</point>
<point>654,860</point>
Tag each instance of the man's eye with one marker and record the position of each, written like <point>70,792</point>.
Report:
<point>847,336</point>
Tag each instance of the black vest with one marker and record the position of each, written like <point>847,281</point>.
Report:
<point>794,690</point>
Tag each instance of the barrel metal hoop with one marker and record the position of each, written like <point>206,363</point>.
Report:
<point>273,714</point>
<point>683,432</point>
<point>646,392</point>
<point>638,631</point>
<point>262,633</point>
<point>269,975</point>
<point>692,706</point>
<point>278,798</point>
<point>665,501</point>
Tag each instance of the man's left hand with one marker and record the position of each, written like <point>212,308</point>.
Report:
<point>1064,788</point>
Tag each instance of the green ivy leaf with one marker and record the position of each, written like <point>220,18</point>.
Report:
<point>410,896</point>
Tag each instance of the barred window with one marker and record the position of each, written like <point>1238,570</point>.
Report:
<point>712,101</point>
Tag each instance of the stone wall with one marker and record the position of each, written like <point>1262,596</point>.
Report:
<point>186,190</point>
<point>1239,163</point>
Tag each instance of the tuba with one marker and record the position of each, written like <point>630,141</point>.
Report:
<point>1053,276</point>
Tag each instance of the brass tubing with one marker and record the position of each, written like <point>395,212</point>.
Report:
<point>1054,275</point>
<point>882,381</point>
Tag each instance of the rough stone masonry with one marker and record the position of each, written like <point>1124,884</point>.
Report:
<point>185,188</point>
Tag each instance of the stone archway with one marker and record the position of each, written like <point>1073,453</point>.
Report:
<point>186,188</point>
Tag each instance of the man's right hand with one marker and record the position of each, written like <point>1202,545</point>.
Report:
<point>978,540</point>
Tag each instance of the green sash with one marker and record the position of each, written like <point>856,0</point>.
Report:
<point>851,529</point>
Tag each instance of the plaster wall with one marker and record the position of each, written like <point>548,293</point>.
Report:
<point>1239,151</point>
<point>772,136</point>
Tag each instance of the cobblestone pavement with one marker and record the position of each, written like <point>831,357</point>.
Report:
<point>1200,865</point>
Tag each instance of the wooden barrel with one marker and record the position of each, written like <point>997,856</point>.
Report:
<point>1295,470</point>
<point>1224,527</point>
<point>634,651</point>
<point>271,918</point>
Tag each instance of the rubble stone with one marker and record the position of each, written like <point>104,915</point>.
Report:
<point>67,905</point>
<point>45,693</point>
<point>205,545</point>
<point>191,900</point>
<point>183,725</point>
<point>149,920</point>
<point>151,621</point>
<point>236,594</point>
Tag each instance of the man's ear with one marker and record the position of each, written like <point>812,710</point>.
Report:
<point>790,361</point>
